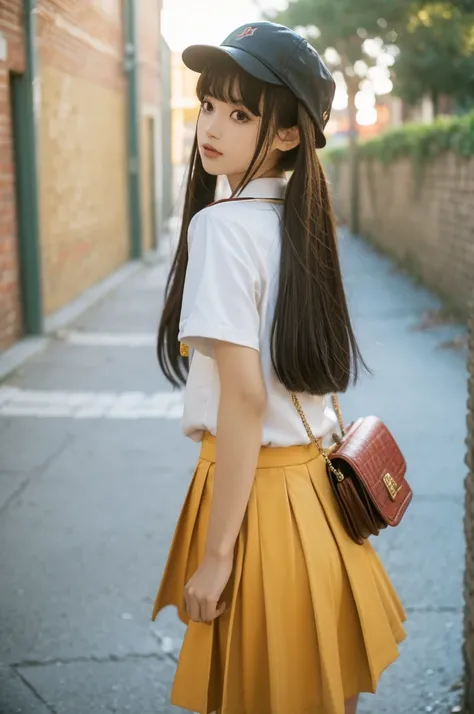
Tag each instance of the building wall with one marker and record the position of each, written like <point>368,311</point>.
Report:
<point>167,170</point>
<point>149,33</point>
<point>422,215</point>
<point>147,197</point>
<point>82,146</point>
<point>11,27</point>
<point>185,109</point>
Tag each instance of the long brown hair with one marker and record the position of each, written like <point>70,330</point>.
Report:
<point>313,346</point>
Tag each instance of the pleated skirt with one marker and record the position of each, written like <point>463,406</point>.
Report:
<point>312,617</point>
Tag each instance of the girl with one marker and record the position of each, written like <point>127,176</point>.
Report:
<point>285,613</point>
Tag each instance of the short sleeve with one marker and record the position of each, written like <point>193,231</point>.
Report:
<point>222,285</point>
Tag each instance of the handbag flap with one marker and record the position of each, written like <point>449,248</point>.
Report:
<point>370,450</point>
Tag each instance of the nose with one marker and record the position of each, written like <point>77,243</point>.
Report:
<point>213,130</point>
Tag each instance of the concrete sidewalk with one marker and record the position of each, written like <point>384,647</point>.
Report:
<point>93,471</point>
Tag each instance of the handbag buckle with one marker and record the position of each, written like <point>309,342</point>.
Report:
<point>391,486</point>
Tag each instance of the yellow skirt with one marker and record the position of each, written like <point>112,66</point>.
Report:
<point>312,618</point>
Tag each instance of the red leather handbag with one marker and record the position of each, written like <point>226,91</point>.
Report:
<point>367,473</point>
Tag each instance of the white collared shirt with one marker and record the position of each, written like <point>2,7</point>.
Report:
<point>230,294</point>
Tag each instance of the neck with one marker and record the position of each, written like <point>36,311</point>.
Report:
<point>235,179</point>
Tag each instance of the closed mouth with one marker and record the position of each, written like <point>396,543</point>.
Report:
<point>208,147</point>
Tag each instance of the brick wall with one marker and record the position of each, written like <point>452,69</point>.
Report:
<point>469,531</point>
<point>423,216</point>
<point>11,26</point>
<point>82,146</point>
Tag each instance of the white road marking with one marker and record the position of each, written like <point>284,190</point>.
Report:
<point>90,405</point>
<point>107,339</point>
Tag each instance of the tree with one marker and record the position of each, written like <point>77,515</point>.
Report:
<point>436,55</point>
<point>433,43</point>
<point>345,26</point>
<point>464,5</point>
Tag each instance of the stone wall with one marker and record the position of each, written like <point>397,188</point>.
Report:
<point>423,215</point>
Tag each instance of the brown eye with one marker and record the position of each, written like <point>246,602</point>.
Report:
<point>240,116</point>
<point>206,106</point>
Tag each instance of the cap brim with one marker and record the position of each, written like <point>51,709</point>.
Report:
<point>197,57</point>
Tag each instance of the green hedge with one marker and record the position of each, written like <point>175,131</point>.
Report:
<point>420,141</point>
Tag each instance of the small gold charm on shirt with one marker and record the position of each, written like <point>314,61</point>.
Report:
<point>183,349</point>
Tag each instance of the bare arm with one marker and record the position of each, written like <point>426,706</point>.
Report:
<point>239,435</point>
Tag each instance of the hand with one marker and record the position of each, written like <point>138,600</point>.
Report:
<point>203,590</point>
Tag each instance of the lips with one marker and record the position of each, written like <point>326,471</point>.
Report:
<point>210,151</point>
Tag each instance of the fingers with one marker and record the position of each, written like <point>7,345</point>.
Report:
<point>202,609</point>
<point>192,605</point>
<point>221,609</point>
<point>212,611</point>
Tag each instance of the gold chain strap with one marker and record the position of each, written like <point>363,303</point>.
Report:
<point>337,409</point>
<point>335,402</point>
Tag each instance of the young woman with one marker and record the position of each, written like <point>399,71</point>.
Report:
<point>285,613</point>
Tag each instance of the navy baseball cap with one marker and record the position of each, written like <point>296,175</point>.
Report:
<point>275,54</point>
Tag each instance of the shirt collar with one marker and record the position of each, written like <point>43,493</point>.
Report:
<point>264,188</point>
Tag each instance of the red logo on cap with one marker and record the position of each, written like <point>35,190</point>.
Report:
<point>248,32</point>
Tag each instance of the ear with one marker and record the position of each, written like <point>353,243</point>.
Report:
<point>287,139</point>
